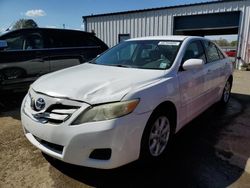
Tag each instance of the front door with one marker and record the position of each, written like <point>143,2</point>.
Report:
<point>191,83</point>
<point>24,57</point>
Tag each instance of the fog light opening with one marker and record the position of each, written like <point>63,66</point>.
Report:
<point>101,154</point>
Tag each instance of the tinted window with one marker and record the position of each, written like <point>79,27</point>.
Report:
<point>194,51</point>
<point>15,42</point>
<point>64,39</point>
<point>33,41</point>
<point>60,39</point>
<point>86,40</point>
<point>212,52</point>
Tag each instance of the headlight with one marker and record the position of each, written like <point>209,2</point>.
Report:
<point>106,111</point>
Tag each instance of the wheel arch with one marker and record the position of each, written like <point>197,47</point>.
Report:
<point>167,107</point>
<point>171,110</point>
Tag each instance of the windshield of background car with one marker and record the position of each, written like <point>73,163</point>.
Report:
<point>147,54</point>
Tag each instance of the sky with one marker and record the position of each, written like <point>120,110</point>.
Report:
<point>56,13</point>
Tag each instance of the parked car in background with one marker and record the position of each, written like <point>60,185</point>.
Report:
<point>231,53</point>
<point>30,53</point>
<point>128,102</point>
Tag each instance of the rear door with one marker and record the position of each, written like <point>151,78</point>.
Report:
<point>70,48</point>
<point>192,82</point>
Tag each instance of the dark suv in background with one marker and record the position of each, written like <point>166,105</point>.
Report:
<point>26,54</point>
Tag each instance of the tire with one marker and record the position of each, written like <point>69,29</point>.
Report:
<point>156,137</point>
<point>13,73</point>
<point>226,93</point>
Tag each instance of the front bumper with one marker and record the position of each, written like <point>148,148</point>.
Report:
<point>74,144</point>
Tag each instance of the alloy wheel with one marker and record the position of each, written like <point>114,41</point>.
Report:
<point>227,90</point>
<point>159,136</point>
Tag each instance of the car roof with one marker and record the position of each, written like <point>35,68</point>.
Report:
<point>44,29</point>
<point>167,37</point>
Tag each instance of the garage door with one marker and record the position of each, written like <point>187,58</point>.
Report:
<point>207,24</point>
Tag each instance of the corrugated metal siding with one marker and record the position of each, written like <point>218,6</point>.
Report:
<point>160,22</point>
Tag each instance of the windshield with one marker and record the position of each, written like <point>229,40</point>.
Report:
<point>147,54</point>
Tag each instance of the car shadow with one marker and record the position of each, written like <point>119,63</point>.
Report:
<point>192,161</point>
<point>10,104</point>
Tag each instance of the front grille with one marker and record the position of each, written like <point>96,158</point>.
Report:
<point>47,109</point>
<point>56,113</point>
<point>54,147</point>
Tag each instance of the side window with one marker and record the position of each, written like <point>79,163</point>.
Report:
<point>212,52</point>
<point>33,41</point>
<point>86,40</point>
<point>194,51</point>
<point>60,39</point>
<point>69,39</point>
<point>15,42</point>
<point>220,54</point>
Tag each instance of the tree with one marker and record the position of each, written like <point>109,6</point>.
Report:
<point>24,23</point>
<point>222,42</point>
<point>234,43</point>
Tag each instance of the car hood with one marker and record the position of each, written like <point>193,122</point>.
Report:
<point>95,84</point>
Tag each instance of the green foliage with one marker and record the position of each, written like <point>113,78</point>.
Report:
<point>224,42</point>
<point>24,23</point>
<point>234,43</point>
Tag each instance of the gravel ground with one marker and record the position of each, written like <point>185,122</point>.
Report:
<point>22,165</point>
<point>194,160</point>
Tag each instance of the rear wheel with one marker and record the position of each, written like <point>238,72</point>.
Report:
<point>226,92</point>
<point>156,137</point>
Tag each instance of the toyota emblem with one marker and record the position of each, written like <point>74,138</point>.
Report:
<point>40,104</point>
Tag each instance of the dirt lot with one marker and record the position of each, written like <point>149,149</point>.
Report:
<point>204,154</point>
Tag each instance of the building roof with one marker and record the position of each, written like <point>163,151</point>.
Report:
<point>159,8</point>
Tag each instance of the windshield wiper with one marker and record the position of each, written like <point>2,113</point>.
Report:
<point>92,61</point>
<point>121,65</point>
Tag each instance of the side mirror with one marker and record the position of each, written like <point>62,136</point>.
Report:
<point>191,64</point>
<point>3,44</point>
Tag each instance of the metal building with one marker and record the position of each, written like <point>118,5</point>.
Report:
<point>207,18</point>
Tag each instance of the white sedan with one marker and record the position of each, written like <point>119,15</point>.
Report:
<point>128,102</point>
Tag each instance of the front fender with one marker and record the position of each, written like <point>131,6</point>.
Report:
<point>153,94</point>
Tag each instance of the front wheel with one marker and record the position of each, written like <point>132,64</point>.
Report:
<point>156,137</point>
